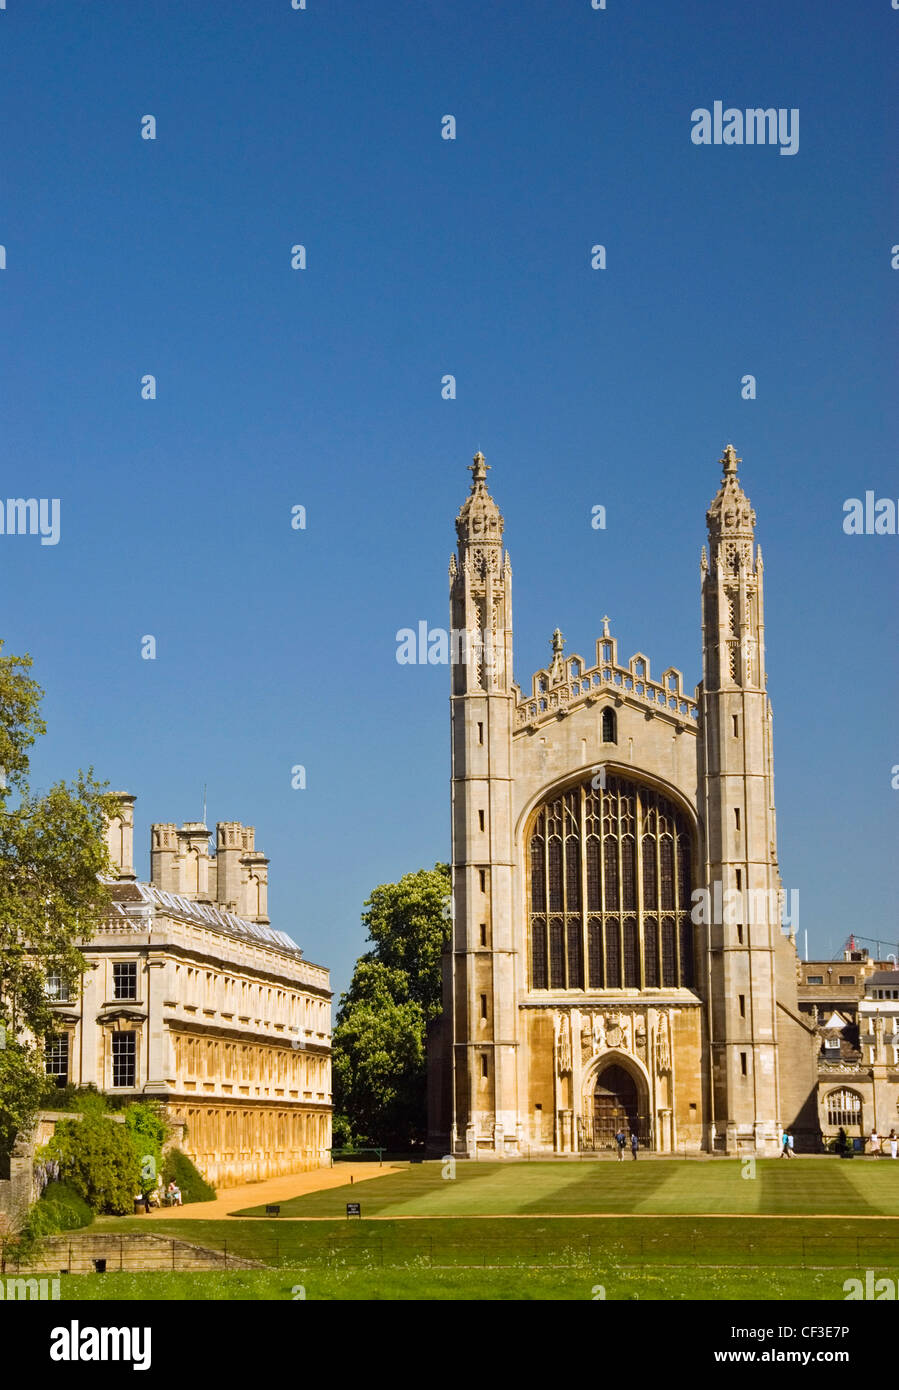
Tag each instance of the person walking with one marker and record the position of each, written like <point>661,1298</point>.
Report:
<point>785,1145</point>
<point>634,1145</point>
<point>790,1146</point>
<point>894,1143</point>
<point>621,1140</point>
<point>875,1142</point>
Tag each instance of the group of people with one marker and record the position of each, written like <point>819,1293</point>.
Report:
<point>621,1141</point>
<point>786,1144</point>
<point>154,1198</point>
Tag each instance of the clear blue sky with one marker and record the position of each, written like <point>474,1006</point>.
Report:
<point>322,388</point>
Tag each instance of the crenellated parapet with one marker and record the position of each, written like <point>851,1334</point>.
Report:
<point>568,683</point>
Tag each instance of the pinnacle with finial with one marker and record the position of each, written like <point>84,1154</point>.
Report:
<point>478,469</point>
<point>729,461</point>
<point>558,641</point>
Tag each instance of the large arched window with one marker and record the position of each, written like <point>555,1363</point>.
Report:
<point>609,887</point>
<point>844,1109</point>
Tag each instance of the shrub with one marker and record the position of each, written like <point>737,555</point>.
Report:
<point>87,1100</point>
<point>97,1158</point>
<point>57,1097</point>
<point>60,1209</point>
<point>146,1128</point>
<point>178,1168</point>
<point>68,1097</point>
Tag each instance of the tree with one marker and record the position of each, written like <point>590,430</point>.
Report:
<point>379,1063</point>
<point>409,924</point>
<point>52,855</point>
<point>378,1060</point>
<point>97,1158</point>
<point>22,1082</point>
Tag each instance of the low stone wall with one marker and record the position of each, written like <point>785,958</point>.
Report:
<point>77,1253</point>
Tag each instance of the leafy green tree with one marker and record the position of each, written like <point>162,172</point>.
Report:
<point>22,1082</point>
<point>52,853</point>
<point>379,1064</point>
<point>97,1159</point>
<point>341,1132</point>
<point>409,925</point>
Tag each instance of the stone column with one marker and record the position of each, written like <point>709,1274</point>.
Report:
<point>91,1053</point>
<point>157,1053</point>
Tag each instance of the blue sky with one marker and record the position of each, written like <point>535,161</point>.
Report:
<point>322,388</point>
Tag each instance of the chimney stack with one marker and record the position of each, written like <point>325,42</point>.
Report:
<point>193,853</point>
<point>232,841</point>
<point>120,836</point>
<point>164,857</point>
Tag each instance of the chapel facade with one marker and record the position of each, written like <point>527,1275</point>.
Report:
<point>590,986</point>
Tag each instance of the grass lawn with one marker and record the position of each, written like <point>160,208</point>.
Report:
<point>534,1241</point>
<point>460,1285</point>
<point>533,1258</point>
<point>656,1237</point>
<point>803,1186</point>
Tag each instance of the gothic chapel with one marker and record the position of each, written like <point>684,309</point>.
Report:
<point>583,989</point>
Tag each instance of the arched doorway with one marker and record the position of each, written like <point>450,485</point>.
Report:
<point>617,1104</point>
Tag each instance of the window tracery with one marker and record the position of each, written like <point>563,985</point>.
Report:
<point>610,890</point>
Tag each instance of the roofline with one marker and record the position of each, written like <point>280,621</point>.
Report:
<point>207,914</point>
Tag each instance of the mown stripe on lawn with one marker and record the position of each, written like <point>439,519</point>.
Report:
<point>614,1187</point>
<point>722,1186</point>
<point>791,1187</point>
<point>876,1181</point>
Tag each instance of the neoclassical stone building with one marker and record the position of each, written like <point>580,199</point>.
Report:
<point>589,985</point>
<point>192,998</point>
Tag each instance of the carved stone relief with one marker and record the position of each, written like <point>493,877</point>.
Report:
<point>663,1044</point>
<point>563,1043</point>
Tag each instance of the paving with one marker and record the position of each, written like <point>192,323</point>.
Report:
<point>274,1191</point>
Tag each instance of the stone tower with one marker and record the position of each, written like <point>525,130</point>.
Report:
<point>736,798</point>
<point>481,980</point>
